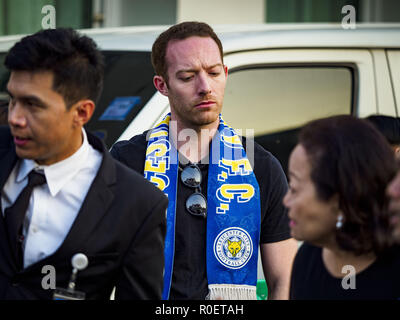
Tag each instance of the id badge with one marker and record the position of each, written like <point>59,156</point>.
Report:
<point>65,294</point>
<point>79,262</point>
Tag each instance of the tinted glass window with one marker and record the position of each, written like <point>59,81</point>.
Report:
<point>128,85</point>
<point>277,101</point>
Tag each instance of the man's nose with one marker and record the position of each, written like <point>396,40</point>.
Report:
<point>204,86</point>
<point>16,115</point>
<point>393,189</point>
<point>286,200</point>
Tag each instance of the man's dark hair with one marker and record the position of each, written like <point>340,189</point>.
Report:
<point>179,31</point>
<point>75,61</point>
<point>351,159</point>
<point>3,113</point>
<point>388,126</point>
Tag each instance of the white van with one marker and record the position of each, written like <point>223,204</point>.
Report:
<point>280,77</point>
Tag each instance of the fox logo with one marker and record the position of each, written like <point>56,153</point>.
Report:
<point>234,247</point>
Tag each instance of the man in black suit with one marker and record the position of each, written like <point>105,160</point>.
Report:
<point>84,201</point>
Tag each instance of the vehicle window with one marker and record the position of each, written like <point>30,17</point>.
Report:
<point>277,101</point>
<point>128,85</point>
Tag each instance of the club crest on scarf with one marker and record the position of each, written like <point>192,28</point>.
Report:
<point>233,248</point>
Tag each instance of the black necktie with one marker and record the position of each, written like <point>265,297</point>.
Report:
<point>15,215</point>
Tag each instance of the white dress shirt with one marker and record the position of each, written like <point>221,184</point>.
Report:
<point>53,206</point>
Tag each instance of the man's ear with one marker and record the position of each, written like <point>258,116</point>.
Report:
<point>161,85</point>
<point>83,111</point>
<point>397,151</point>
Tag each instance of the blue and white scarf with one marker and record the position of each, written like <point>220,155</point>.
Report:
<point>233,214</point>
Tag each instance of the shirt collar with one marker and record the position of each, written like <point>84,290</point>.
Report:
<point>59,173</point>
<point>25,167</point>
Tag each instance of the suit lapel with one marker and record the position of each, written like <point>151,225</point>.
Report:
<point>97,202</point>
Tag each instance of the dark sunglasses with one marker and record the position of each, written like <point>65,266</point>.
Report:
<point>196,203</point>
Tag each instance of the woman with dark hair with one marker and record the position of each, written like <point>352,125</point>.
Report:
<point>337,205</point>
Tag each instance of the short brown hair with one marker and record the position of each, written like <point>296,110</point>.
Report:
<point>350,158</point>
<point>179,31</point>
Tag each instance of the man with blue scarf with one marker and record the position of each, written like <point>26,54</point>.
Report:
<point>225,192</point>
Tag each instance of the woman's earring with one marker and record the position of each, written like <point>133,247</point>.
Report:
<point>339,222</point>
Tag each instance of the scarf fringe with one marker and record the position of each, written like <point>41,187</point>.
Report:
<point>231,292</point>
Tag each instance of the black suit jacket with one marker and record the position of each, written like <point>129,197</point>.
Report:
<point>120,228</point>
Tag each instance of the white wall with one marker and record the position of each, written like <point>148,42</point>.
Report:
<point>221,11</point>
<point>119,13</point>
<point>112,13</point>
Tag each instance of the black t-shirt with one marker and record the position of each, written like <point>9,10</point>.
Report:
<point>189,279</point>
<point>312,281</point>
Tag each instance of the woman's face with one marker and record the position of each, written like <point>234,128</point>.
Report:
<point>311,219</point>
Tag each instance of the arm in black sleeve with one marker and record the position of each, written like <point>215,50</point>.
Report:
<point>143,265</point>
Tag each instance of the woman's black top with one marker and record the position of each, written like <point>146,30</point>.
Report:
<point>312,281</point>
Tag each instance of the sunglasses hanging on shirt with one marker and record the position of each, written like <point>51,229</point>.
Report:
<point>196,203</point>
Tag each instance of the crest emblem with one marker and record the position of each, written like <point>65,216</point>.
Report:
<point>233,247</point>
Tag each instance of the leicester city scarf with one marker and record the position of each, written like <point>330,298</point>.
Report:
<point>233,213</point>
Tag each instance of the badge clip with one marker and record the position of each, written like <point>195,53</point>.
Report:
<point>79,262</point>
